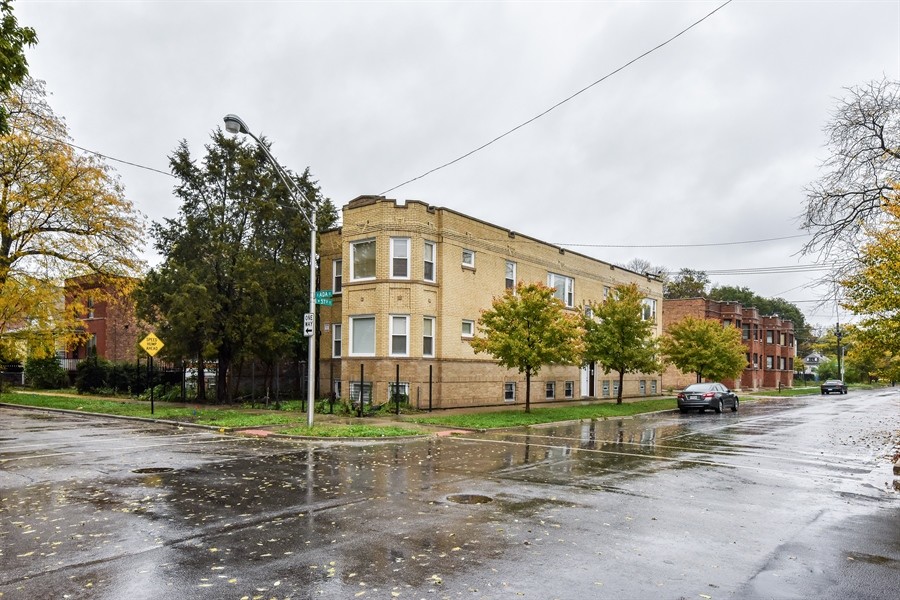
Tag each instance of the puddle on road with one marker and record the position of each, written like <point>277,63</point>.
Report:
<point>151,470</point>
<point>469,499</point>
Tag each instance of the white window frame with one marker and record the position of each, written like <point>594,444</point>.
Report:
<point>510,282</point>
<point>337,276</point>
<point>352,338</point>
<point>643,387</point>
<point>615,388</point>
<point>433,262</point>
<point>605,387</point>
<point>509,391</point>
<point>648,309</point>
<point>398,243</point>
<point>403,389</point>
<point>430,320</point>
<point>394,319</point>
<point>355,389</point>
<point>569,389</point>
<point>336,340</point>
<point>652,387</point>
<point>471,328</point>
<point>567,295</point>
<point>471,258</point>
<point>336,387</point>
<point>550,390</point>
<point>353,245</point>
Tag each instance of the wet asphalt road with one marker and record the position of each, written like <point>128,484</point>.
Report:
<point>784,499</point>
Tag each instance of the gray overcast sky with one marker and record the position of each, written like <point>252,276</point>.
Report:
<point>709,139</point>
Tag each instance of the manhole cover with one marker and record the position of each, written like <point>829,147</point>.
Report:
<point>153,470</point>
<point>469,499</point>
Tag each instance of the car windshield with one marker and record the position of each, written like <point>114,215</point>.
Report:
<point>699,387</point>
<point>834,382</point>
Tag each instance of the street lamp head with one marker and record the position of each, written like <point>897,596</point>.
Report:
<point>234,124</point>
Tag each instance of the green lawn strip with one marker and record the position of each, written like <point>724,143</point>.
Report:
<point>204,416</point>
<point>357,431</point>
<point>519,418</point>
<point>795,391</point>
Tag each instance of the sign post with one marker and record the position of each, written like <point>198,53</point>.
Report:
<point>151,345</point>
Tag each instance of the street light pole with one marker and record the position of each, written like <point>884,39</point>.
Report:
<point>234,124</point>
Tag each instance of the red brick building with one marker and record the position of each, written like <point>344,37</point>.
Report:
<point>107,316</point>
<point>769,341</point>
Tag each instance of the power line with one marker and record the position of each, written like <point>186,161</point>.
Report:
<point>100,154</point>
<point>787,237</point>
<point>561,102</point>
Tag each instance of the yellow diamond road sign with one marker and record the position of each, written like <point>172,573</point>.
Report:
<point>152,344</point>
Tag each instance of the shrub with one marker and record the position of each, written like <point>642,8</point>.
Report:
<point>45,373</point>
<point>91,375</point>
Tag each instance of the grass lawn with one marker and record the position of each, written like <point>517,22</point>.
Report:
<point>794,391</point>
<point>519,418</point>
<point>354,431</point>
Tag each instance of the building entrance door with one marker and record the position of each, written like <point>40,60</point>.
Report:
<point>587,380</point>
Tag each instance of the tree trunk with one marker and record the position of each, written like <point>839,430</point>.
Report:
<point>528,390</point>
<point>699,377</point>
<point>201,379</point>
<point>621,385</point>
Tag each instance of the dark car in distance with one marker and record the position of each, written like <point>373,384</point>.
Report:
<point>707,395</point>
<point>833,385</point>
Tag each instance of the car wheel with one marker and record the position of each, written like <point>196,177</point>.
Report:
<point>734,406</point>
<point>702,409</point>
<point>719,406</point>
<point>682,410</point>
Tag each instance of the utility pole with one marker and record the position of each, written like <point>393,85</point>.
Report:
<point>839,334</point>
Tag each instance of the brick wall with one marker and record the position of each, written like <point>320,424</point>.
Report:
<point>459,293</point>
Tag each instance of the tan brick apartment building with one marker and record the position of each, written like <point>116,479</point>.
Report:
<point>769,341</point>
<point>410,281</point>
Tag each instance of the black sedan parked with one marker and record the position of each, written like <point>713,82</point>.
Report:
<point>707,395</point>
<point>833,385</point>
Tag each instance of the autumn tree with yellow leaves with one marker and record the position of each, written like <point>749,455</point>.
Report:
<point>63,214</point>
<point>527,328</point>
<point>873,291</point>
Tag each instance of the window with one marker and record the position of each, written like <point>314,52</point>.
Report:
<point>428,336</point>
<point>782,363</point>
<point>403,390</point>
<point>653,387</point>
<point>643,387</point>
<point>400,258</point>
<point>616,389</point>
<point>745,332</point>
<point>399,335</point>
<point>509,391</point>
<point>564,286</point>
<point>337,276</point>
<point>648,309</point>
<point>782,339</point>
<point>569,389</point>
<point>790,363</point>
<point>468,328</point>
<point>726,323</point>
<point>362,256</point>
<point>90,306</point>
<point>606,388</point>
<point>336,388</point>
<point>748,360</point>
<point>468,258</point>
<point>510,275</point>
<point>770,336</point>
<point>755,360</point>
<point>770,362</point>
<point>550,390</point>
<point>362,336</point>
<point>335,340</point>
<point>355,390</point>
<point>428,261</point>
<point>605,292</point>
